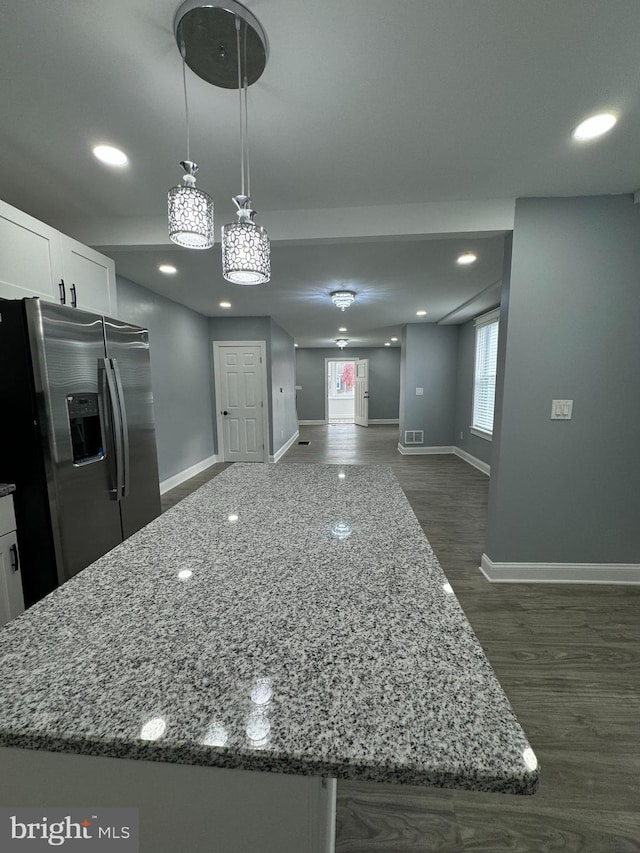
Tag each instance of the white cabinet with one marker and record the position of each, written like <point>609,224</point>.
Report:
<point>11,598</point>
<point>37,260</point>
<point>89,277</point>
<point>30,256</point>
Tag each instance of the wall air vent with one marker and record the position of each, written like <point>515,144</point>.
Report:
<point>414,436</point>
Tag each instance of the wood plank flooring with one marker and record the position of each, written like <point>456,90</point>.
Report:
<point>566,655</point>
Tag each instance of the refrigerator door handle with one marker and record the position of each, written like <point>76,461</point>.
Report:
<point>124,426</point>
<point>112,421</point>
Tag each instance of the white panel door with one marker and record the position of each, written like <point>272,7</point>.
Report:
<point>241,402</point>
<point>362,392</point>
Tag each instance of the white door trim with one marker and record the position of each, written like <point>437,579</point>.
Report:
<point>217,346</point>
<point>363,420</point>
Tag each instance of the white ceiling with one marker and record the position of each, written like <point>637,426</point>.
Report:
<point>370,118</point>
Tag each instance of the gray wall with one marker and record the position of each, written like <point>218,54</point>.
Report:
<point>284,423</point>
<point>430,357</point>
<point>568,491</point>
<point>463,438</point>
<point>384,380</point>
<point>280,370</point>
<point>180,374</point>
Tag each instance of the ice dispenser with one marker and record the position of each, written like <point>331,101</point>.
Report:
<point>85,428</point>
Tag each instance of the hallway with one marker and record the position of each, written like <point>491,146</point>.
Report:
<point>566,656</point>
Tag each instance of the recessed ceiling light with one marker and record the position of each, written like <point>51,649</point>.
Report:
<point>167,269</point>
<point>594,126</point>
<point>225,305</point>
<point>387,344</point>
<point>394,339</point>
<point>421,313</point>
<point>342,329</point>
<point>110,155</point>
<point>467,258</point>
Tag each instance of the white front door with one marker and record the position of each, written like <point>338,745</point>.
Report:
<point>241,402</point>
<point>362,392</point>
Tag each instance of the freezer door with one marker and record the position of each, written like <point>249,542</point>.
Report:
<point>67,347</point>
<point>128,350</point>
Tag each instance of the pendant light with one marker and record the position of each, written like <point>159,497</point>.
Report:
<point>246,253</point>
<point>190,209</point>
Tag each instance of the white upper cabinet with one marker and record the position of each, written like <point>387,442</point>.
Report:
<point>37,260</point>
<point>30,257</point>
<point>89,277</point>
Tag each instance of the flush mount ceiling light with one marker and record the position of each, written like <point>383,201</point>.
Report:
<point>343,298</point>
<point>167,269</point>
<point>342,342</point>
<point>110,155</point>
<point>421,313</point>
<point>342,329</point>
<point>467,258</point>
<point>225,305</point>
<point>394,339</point>
<point>594,126</point>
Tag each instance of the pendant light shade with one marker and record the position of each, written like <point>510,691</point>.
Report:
<point>246,252</point>
<point>190,212</point>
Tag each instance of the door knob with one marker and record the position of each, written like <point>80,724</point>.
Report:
<point>225,413</point>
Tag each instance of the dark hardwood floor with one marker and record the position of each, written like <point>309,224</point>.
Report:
<point>567,656</point>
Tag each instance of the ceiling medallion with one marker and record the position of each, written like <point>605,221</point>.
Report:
<point>343,298</point>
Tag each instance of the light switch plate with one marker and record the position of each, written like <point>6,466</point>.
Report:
<point>419,392</point>
<point>561,410</point>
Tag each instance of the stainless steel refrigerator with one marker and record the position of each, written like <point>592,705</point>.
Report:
<point>78,436</point>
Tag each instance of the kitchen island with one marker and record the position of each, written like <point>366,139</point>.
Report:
<point>282,627</point>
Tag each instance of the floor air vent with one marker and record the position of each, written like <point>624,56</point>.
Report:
<point>304,442</point>
<point>414,436</point>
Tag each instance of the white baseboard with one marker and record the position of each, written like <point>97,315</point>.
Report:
<point>280,453</point>
<point>384,421</point>
<point>177,479</point>
<point>473,460</point>
<point>607,573</point>
<point>408,450</point>
<point>310,423</point>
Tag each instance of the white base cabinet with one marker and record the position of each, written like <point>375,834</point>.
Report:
<point>37,260</point>
<point>11,598</point>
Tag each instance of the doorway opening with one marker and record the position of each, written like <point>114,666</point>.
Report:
<point>341,380</point>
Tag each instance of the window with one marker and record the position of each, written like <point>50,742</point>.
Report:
<point>484,378</point>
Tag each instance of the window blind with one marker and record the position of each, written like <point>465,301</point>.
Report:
<point>484,383</point>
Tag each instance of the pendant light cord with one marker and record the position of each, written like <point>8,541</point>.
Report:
<point>242,142</point>
<point>246,115</point>
<point>183,51</point>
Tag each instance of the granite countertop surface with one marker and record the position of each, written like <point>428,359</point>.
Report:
<point>281,618</point>
<point>6,489</point>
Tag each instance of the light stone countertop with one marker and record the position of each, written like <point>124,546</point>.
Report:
<point>268,642</point>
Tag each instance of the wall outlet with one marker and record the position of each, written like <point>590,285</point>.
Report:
<point>281,433</point>
<point>419,392</point>
<point>461,434</point>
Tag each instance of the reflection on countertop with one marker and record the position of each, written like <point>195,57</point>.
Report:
<point>280,618</point>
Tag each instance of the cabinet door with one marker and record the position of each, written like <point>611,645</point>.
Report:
<point>30,259</point>
<point>90,277</point>
<point>11,598</point>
